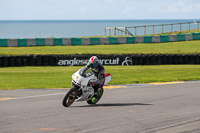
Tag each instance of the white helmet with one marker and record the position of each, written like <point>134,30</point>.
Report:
<point>93,62</point>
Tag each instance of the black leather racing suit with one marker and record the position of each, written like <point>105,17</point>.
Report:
<point>98,72</point>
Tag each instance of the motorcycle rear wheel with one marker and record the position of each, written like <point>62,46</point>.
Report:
<point>70,97</point>
<point>94,100</point>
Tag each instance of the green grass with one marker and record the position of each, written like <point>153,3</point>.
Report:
<point>187,47</point>
<point>60,77</point>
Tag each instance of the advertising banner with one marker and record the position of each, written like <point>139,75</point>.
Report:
<point>107,60</point>
<point>111,60</point>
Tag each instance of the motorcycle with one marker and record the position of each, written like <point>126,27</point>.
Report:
<point>82,88</point>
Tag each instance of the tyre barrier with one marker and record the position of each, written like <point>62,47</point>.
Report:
<point>31,42</point>
<point>109,60</point>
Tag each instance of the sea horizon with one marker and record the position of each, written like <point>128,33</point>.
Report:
<point>77,28</point>
<point>98,20</point>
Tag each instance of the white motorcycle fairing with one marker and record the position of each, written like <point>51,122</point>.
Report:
<point>83,82</point>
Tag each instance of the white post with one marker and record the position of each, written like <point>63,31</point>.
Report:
<point>125,31</point>
<point>115,31</point>
<point>135,31</point>
<point>153,29</point>
<point>171,28</point>
<point>189,26</point>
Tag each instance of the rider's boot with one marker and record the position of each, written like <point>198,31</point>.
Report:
<point>96,93</point>
<point>97,88</point>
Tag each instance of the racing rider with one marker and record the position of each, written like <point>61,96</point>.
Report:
<point>98,70</point>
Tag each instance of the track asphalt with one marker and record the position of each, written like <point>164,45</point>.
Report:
<point>160,108</point>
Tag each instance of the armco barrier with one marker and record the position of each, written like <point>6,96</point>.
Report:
<point>110,60</point>
<point>97,41</point>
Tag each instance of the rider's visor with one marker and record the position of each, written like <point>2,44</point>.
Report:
<point>94,65</point>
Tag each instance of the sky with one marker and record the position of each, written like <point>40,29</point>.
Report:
<point>98,9</point>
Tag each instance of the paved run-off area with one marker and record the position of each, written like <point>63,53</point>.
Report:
<point>167,108</point>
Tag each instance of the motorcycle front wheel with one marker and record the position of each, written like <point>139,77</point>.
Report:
<point>94,100</point>
<point>70,97</point>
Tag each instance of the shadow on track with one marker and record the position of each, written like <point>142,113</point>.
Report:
<point>115,105</point>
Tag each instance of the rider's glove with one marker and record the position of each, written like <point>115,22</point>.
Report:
<point>88,65</point>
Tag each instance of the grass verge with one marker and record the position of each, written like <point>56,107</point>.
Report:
<point>60,77</point>
<point>187,47</point>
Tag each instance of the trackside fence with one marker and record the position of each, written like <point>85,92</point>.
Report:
<point>152,29</point>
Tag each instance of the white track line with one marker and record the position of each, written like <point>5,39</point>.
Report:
<point>142,85</point>
<point>34,96</point>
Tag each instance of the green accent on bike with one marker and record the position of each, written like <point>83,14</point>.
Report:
<point>94,100</point>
